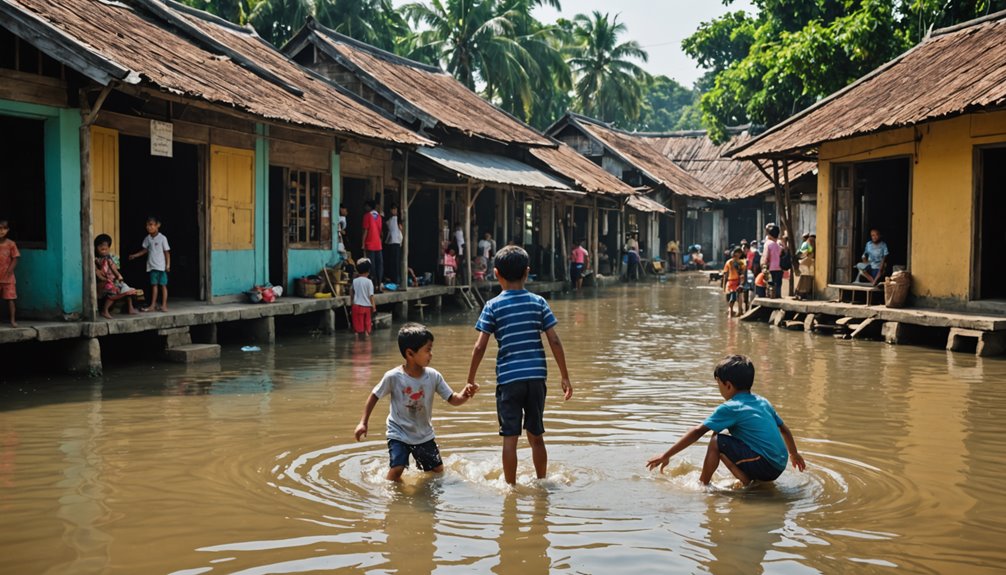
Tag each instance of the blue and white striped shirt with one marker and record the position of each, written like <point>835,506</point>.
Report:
<point>517,318</point>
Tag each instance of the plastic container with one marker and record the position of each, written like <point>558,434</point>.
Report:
<point>307,286</point>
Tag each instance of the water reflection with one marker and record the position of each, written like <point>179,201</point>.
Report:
<point>248,465</point>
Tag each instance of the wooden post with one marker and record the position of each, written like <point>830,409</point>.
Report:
<point>562,243</point>
<point>88,114</point>
<point>403,218</point>
<point>594,242</point>
<point>506,216</point>
<point>468,233</point>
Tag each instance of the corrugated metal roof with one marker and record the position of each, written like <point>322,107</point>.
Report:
<point>429,89</point>
<point>699,156</point>
<point>175,49</point>
<point>954,71</point>
<point>643,157</point>
<point>647,204</point>
<point>565,161</point>
<point>493,169</point>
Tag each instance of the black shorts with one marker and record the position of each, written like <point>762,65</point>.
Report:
<point>427,455</point>
<point>752,463</point>
<point>521,401</point>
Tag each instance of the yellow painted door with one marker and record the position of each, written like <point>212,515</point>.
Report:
<point>232,198</point>
<point>105,183</point>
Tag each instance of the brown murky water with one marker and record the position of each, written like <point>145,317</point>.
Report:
<point>249,466</point>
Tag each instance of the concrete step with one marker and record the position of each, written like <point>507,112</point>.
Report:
<point>193,353</point>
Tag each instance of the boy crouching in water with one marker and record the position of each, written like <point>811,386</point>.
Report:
<point>758,442</point>
<point>411,387</point>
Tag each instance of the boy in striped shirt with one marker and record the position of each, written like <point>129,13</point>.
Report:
<point>516,318</point>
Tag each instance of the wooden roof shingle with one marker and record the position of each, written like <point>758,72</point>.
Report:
<point>954,71</point>
<point>436,94</point>
<point>170,48</point>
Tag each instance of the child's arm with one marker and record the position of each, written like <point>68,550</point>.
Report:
<point>787,436</point>
<point>466,394</point>
<point>372,303</point>
<point>477,354</point>
<point>116,274</point>
<point>167,260</point>
<point>560,358</point>
<point>687,439</point>
<point>361,428</point>
<point>138,254</point>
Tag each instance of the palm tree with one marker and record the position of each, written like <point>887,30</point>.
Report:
<point>375,22</point>
<point>608,85</point>
<point>277,20</point>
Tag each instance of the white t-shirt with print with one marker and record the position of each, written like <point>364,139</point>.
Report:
<point>363,288</point>
<point>156,246</point>
<point>411,418</point>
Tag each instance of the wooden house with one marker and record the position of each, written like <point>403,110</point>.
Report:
<point>112,112</point>
<point>915,149</point>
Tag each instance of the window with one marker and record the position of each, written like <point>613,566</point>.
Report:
<point>22,184</point>
<point>309,209</point>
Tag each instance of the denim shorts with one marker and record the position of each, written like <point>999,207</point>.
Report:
<point>427,455</point>
<point>752,463</point>
<point>521,402</point>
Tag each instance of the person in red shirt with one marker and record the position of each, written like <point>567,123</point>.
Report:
<point>373,226</point>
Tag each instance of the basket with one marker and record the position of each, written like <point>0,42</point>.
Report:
<point>308,286</point>
<point>896,289</point>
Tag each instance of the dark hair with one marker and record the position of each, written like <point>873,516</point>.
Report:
<point>511,263</point>
<point>342,206</point>
<point>413,336</point>
<point>153,219</point>
<point>363,266</point>
<point>773,231</point>
<point>737,251</point>
<point>102,239</point>
<point>370,204</point>
<point>4,224</point>
<point>738,370</point>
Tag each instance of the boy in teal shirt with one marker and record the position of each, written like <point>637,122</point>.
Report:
<point>759,440</point>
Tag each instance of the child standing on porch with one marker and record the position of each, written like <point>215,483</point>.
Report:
<point>363,299</point>
<point>158,252</point>
<point>734,273</point>
<point>8,261</point>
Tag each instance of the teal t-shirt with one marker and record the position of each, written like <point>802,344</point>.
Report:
<point>752,419</point>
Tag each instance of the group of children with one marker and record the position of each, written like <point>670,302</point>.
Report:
<point>757,448</point>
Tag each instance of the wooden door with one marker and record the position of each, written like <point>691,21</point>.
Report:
<point>105,183</point>
<point>232,198</point>
<point>843,252</point>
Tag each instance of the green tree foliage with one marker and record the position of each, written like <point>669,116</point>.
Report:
<point>495,47</point>
<point>608,84</point>
<point>236,11</point>
<point>375,22</point>
<point>767,67</point>
<point>667,106</point>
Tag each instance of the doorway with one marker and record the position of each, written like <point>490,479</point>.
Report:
<point>169,189</point>
<point>355,193</point>
<point>867,196</point>
<point>990,234</point>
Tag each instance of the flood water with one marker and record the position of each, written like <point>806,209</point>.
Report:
<point>249,466</point>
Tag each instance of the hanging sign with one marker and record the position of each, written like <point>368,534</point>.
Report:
<point>160,138</point>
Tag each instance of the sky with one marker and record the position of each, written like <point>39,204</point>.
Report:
<point>658,25</point>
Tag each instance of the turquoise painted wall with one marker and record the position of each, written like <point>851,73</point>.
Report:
<point>308,262</point>
<point>50,281</point>
<point>236,271</point>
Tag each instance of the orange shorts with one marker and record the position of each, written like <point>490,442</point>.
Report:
<point>8,290</point>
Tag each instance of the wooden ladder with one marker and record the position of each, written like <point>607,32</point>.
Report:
<point>472,298</point>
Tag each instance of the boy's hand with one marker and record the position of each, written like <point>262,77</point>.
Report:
<point>361,431</point>
<point>660,460</point>
<point>798,462</point>
<point>567,388</point>
<point>470,390</point>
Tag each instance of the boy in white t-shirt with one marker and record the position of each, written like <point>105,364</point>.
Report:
<point>158,252</point>
<point>363,299</point>
<point>410,388</point>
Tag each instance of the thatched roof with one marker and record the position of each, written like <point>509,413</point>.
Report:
<point>700,157</point>
<point>954,71</point>
<point>421,91</point>
<point>586,174</point>
<point>169,48</point>
<point>630,149</point>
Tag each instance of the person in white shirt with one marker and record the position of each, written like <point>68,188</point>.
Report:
<point>393,247</point>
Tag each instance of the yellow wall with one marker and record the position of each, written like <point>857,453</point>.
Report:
<point>941,197</point>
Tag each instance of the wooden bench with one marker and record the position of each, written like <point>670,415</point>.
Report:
<point>848,293</point>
